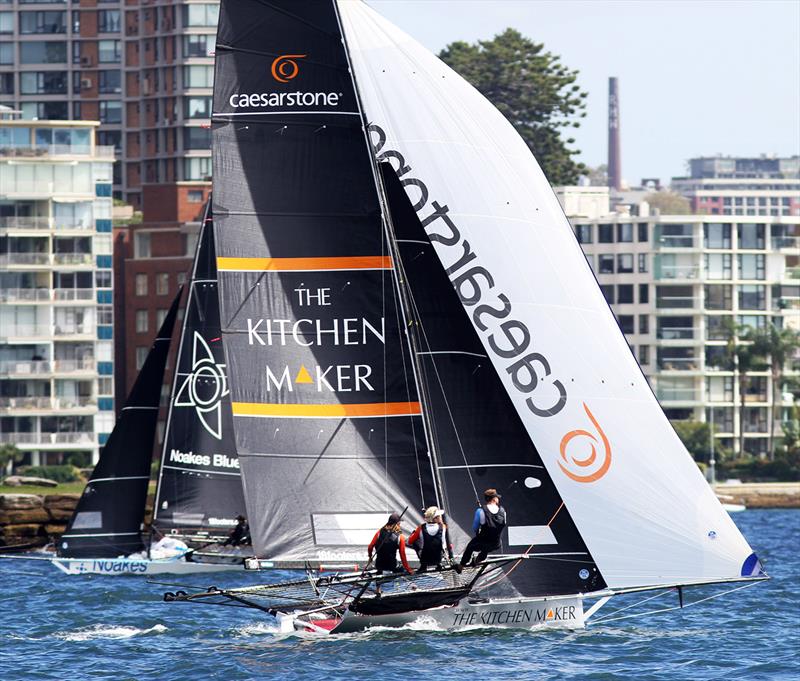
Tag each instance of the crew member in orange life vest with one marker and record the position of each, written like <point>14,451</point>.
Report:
<point>488,524</point>
<point>430,539</point>
<point>386,543</point>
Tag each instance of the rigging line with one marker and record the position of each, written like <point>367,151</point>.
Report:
<point>677,607</point>
<point>632,605</point>
<point>244,300</point>
<point>525,553</point>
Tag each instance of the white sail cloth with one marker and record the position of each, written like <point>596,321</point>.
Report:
<point>642,506</point>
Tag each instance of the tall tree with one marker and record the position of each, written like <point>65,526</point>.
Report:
<point>778,346</point>
<point>532,89</point>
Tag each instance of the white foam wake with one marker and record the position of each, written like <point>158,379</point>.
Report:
<point>99,631</point>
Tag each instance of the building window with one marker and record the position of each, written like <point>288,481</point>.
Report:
<point>625,293</point>
<point>196,168</point>
<point>6,53</point>
<point>108,21</point>
<point>43,52</point>
<point>605,234</point>
<point>180,277</point>
<point>717,235</point>
<point>109,51</point>
<point>102,279</point>
<point>608,292</point>
<point>6,22</point>
<point>161,315</point>
<point>109,82</point>
<point>642,262</point>
<point>162,283</point>
<point>54,111</point>
<point>625,263</point>
<point>200,15</point>
<point>141,321</point>
<point>626,323</point>
<point>752,297</point>
<point>196,138</point>
<point>625,233</point>
<point>718,265</point>
<point>141,245</point>
<point>105,386</point>
<point>198,76</point>
<point>606,263</point>
<point>141,284</point>
<point>750,236</point>
<point>644,354</point>
<point>141,356</point>
<point>644,324</point>
<point>194,196</point>
<point>198,45</point>
<point>42,22</point>
<point>43,83</point>
<point>644,293</point>
<point>752,266</point>
<point>111,112</point>
<point>642,232</point>
<point>583,233</point>
<point>197,107</point>
<point>718,297</point>
<point>105,314</point>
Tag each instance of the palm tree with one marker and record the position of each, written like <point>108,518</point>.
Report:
<point>778,345</point>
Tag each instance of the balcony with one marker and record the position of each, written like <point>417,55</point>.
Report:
<point>25,223</point>
<point>789,243</point>
<point>31,368</point>
<point>678,272</point>
<point>84,329</point>
<point>678,395</point>
<point>47,439</point>
<point>42,150</point>
<point>680,364</point>
<point>46,403</point>
<point>25,331</point>
<point>678,333</point>
<point>24,259</point>
<point>72,259</point>
<point>64,224</point>
<point>677,302</point>
<point>61,295</point>
<point>74,366</point>
<point>24,295</point>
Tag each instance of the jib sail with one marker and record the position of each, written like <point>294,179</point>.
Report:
<point>107,521</point>
<point>327,418</point>
<point>199,486</point>
<point>635,494</point>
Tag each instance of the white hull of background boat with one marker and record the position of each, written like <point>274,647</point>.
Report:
<point>129,566</point>
<point>554,612</point>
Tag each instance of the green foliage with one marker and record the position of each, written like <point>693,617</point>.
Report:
<point>63,473</point>
<point>696,436</point>
<point>669,203</point>
<point>785,468</point>
<point>9,452</point>
<point>532,89</point>
<point>79,459</point>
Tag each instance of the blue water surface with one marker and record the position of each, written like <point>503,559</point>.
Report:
<point>54,626</point>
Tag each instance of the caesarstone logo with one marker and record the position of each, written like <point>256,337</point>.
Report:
<point>284,68</point>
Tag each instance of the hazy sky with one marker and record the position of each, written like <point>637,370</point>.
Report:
<point>697,77</point>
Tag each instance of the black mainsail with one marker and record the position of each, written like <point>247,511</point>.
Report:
<point>327,419</point>
<point>108,519</point>
<point>199,490</point>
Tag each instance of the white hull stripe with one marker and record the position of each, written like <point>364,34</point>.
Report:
<point>131,477</point>
<point>103,534</point>
<point>200,470</point>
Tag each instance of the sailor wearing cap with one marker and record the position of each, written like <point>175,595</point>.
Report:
<point>430,540</point>
<point>386,544</point>
<point>488,524</point>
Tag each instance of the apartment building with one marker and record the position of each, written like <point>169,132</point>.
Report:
<point>56,315</point>
<point>673,281</point>
<point>143,68</point>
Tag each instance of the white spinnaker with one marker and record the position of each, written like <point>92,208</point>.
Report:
<point>649,517</point>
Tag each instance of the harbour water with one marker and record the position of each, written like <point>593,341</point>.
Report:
<point>57,627</point>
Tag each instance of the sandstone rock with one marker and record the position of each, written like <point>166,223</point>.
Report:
<point>28,515</point>
<point>59,514</point>
<point>55,529</point>
<point>62,501</point>
<point>17,480</point>
<point>11,531</point>
<point>13,502</point>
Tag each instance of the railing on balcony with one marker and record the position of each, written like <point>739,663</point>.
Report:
<point>62,294</point>
<point>72,258</point>
<point>28,151</point>
<point>102,151</point>
<point>74,402</point>
<point>26,402</point>
<point>678,272</point>
<point>47,438</point>
<point>24,331</point>
<point>677,302</point>
<point>26,368</point>
<point>680,364</point>
<point>24,295</point>
<point>25,223</point>
<point>675,241</point>
<point>678,333</point>
<point>677,394</point>
<point>789,242</point>
<point>66,366</point>
<point>64,223</point>
<point>73,329</point>
<point>24,259</point>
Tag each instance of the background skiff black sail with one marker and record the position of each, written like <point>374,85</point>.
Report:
<point>199,491</point>
<point>108,520</point>
<point>327,419</point>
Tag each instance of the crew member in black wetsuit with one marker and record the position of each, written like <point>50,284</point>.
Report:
<point>488,524</point>
<point>431,539</point>
<point>386,544</point>
<point>240,534</point>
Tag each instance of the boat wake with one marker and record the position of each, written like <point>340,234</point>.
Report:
<point>101,631</point>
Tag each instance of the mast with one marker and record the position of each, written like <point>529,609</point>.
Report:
<point>401,291</point>
<point>108,519</point>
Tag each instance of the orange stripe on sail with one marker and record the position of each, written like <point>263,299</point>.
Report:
<point>358,262</point>
<point>327,410</point>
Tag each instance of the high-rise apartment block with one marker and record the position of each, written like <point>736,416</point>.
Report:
<point>675,283</point>
<point>762,186</point>
<point>143,68</point>
<point>56,315</point>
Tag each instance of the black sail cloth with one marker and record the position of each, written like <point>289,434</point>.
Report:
<point>107,521</point>
<point>478,437</point>
<point>200,488</point>
<point>327,420</point>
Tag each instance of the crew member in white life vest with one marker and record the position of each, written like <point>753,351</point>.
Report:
<point>431,539</point>
<point>488,524</point>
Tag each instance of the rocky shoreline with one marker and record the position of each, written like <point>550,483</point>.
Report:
<point>761,494</point>
<point>34,518</point>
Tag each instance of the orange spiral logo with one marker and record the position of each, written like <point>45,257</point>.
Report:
<point>594,470</point>
<point>284,68</point>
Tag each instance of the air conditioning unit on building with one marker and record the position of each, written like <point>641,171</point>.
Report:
<point>86,61</point>
<point>86,83</point>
